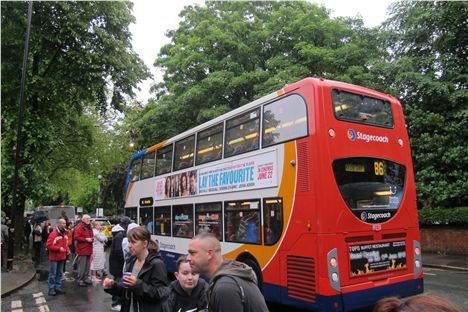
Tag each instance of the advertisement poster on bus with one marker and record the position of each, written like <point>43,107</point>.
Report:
<point>376,257</point>
<point>248,173</point>
<point>242,174</point>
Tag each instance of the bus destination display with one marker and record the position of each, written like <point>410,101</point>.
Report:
<point>369,258</point>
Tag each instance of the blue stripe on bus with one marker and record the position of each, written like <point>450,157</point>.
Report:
<point>346,302</point>
<point>134,156</point>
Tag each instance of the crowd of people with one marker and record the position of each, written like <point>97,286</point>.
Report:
<point>139,277</point>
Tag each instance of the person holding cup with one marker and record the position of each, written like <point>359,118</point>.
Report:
<point>144,276</point>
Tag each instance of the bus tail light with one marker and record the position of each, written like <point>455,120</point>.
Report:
<point>333,269</point>
<point>417,258</point>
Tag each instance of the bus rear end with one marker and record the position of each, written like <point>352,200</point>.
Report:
<point>367,222</point>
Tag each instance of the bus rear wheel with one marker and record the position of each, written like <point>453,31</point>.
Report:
<point>255,267</point>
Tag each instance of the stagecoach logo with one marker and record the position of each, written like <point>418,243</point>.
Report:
<point>364,216</point>
<point>352,135</point>
<point>375,216</point>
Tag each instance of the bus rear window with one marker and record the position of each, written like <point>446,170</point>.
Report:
<point>371,187</point>
<point>362,109</point>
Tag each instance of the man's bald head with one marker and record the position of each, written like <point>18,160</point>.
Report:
<point>208,241</point>
<point>204,253</point>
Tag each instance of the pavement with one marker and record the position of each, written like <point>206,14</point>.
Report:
<point>25,271</point>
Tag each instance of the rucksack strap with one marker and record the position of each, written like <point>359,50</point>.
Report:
<point>236,280</point>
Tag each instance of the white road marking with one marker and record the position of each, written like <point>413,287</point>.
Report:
<point>40,300</point>
<point>40,294</point>
<point>17,310</point>
<point>16,304</point>
<point>432,274</point>
<point>44,308</point>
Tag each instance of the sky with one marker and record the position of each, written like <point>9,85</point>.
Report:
<point>155,18</point>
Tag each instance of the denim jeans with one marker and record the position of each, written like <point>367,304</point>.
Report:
<point>55,274</point>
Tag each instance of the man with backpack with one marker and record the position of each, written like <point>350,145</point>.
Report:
<point>233,285</point>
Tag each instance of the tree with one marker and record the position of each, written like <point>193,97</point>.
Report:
<point>226,54</point>
<point>427,68</point>
<point>80,62</point>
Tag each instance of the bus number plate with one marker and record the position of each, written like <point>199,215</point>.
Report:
<point>375,257</point>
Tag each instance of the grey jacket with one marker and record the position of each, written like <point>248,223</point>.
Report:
<point>234,288</point>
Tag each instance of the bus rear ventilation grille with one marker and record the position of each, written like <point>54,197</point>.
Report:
<point>303,166</point>
<point>354,239</point>
<point>393,235</point>
<point>301,278</point>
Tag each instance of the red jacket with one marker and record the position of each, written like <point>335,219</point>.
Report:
<point>54,242</point>
<point>82,232</point>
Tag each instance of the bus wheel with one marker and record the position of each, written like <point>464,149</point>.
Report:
<point>253,264</point>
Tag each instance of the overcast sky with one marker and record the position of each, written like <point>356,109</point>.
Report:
<point>154,18</point>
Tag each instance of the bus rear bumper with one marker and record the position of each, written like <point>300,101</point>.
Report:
<point>351,301</point>
<point>368,297</point>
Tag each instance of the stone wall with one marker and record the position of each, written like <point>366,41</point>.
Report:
<point>445,239</point>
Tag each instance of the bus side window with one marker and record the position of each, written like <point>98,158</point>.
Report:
<point>164,160</point>
<point>208,219</point>
<point>182,220</point>
<point>146,218</point>
<point>273,220</point>
<point>242,133</point>
<point>147,167</point>
<point>242,221</point>
<point>135,171</point>
<point>162,220</point>
<point>284,120</point>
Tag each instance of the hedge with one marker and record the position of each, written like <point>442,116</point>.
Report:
<point>444,216</point>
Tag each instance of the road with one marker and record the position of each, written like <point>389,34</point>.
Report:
<point>33,297</point>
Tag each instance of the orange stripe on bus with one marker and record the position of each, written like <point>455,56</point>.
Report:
<point>262,253</point>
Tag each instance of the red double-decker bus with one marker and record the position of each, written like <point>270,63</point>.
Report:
<point>312,186</point>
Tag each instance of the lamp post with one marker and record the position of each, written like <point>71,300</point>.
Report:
<point>99,191</point>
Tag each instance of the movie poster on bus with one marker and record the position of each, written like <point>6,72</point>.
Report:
<point>177,185</point>
<point>383,256</point>
<point>247,173</point>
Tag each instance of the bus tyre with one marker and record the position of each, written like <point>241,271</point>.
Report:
<point>253,264</point>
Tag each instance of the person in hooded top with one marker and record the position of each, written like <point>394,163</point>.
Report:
<point>125,250</point>
<point>116,257</point>
<point>145,275</point>
<point>188,292</point>
<point>233,285</point>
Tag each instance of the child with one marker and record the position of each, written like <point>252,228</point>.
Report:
<point>188,292</point>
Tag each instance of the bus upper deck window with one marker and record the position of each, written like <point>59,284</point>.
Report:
<point>242,133</point>
<point>147,169</point>
<point>183,154</point>
<point>284,120</point>
<point>209,144</point>
<point>362,109</point>
<point>164,160</point>
<point>135,170</point>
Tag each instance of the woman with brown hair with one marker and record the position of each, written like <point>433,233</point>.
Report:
<point>426,303</point>
<point>145,275</point>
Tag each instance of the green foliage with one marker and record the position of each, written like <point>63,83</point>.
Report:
<point>427,68</point>
<point>226,54</point>
<point>81,68</point>
<point>444,216</point>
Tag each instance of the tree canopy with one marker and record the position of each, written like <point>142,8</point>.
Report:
<point>427,70</point>
<point>81,66</point>
<point>226,54</point>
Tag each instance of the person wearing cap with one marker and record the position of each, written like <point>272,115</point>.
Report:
<point>116,256</point>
